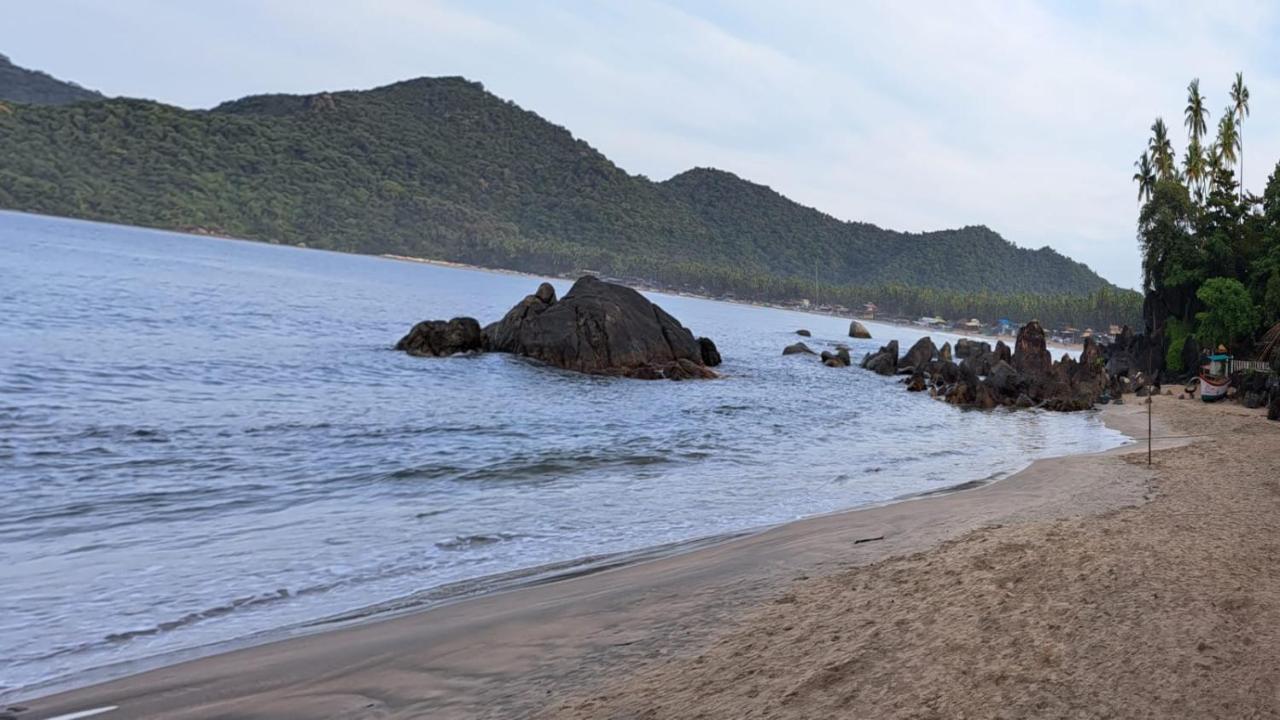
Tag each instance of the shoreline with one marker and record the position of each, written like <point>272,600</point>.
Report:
<point>472,588</point>
<point>716,578</point>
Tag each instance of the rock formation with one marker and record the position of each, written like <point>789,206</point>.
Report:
<point>438,338</point>
<point>858,330</point>
<point>797,349</point>
<point>598,327</point>
<point>884,361</point>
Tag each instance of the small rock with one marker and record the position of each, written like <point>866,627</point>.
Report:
<point>796,349</point>
<point>804,333</point>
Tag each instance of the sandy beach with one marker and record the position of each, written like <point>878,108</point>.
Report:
<point>1085,586</point>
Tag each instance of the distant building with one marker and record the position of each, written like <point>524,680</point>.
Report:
<point>869,310</point>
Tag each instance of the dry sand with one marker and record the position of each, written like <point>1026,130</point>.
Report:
<point>1170,610</point>
<point>1059,592</point>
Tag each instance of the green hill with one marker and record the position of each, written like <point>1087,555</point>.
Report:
<point>440,168</point>
<point>19,84</point>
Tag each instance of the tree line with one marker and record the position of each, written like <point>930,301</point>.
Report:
<point>1210,247</point>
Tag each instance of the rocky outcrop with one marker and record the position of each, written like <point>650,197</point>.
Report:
<point>858,330</point>
<point>797,349</point>
<point>920,354</point>
<point>1003,352</point>
<point>1030,357</point>
<point>966,348</point>
<point>439,338</point>
<point>884,361</point>
<point>599,328</point>
<point>710,353</point>
<point>987,378</point>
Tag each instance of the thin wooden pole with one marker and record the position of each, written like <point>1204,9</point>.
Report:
<point>1150,402</point>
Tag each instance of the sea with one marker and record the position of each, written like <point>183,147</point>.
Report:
<point>209,442</point>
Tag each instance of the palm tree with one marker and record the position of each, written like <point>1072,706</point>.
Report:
<point>1196,113</point>
<point>1228,138</point>
<point>1161,149</point>
<point>1145,176</point>
<point>1194,167</point>
<point>1240,101</point>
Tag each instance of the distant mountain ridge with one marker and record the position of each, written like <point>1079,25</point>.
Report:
<point>440,168</point>
<point>18,84</point>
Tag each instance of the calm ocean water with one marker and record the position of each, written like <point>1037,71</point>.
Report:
<point>203,440</point>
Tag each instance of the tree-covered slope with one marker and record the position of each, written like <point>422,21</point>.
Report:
<point>440,168</point>
<point>19,84</point>
<point>771,230</point>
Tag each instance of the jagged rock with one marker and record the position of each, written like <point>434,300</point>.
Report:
<point>920,354</point>
<point>916,383</point>
<point>600,328</point>
<point>884,361</point>
<point>1029,354</point>
<point>947,372</point>
<point>710,354</point>
<point>1005,381</point>
<point>839,358</point>
<point>1003,352</point>
<point>966,348</point>
<point>438,338</point>
<point>797,349</point>
<point>944,353</point>
<point>858,330</point>
<point>503,336</point>
<point>804,333</point>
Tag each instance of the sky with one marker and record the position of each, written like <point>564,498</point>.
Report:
<point>1025,117</point>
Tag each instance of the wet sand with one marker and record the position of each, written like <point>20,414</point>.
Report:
<point>940,606</point>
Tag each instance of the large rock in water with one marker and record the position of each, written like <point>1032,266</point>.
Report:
<point>600,328</point>
<point>710,353</point>
<point>438,338</point>
<point>858,330</point>
<point>884,361</point>
<point>920,354</point>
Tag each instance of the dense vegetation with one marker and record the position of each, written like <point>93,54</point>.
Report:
<point>440,168</point>
<point>32,86</point>
<point>1210,248</point>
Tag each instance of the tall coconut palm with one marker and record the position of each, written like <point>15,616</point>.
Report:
<point>1193,166</point>
<point>1161,149</point>
<point>1196,113</point>
<point>1240,102</point>
<point>1228,138</point>
<point>1145,175</point>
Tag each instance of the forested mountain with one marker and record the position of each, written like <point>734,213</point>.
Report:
<point>32,86</point>
<point>440,168</point>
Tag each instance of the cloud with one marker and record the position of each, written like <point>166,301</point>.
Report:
<point>1022,116</point>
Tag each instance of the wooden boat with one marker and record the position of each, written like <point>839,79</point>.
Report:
<point>1215,378</point>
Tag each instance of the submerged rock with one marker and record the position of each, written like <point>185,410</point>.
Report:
<point>804,333</point>
<point>797,349</point>
<point>440,338</point>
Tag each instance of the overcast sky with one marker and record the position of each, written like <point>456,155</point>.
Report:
<point>1022,116</point>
